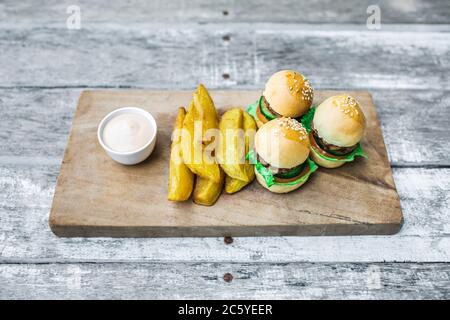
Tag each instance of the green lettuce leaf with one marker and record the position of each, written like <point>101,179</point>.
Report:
<point>251,109</point>
<point>349,157</point>
<point>268,175</point>
<point>306,122</point>
<point>266,113</point>
<point>307,118</point>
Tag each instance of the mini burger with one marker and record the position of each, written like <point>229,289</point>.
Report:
<point>335,131</point>
<point>281,155</point>
<point>287,94</point>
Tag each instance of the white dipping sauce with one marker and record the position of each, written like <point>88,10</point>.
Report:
<point>127,132</point>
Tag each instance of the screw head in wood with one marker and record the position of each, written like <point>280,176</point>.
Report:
<point>228,277</point>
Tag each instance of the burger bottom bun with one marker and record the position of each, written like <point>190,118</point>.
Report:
<point>324,162</point>
<point>277,188</point>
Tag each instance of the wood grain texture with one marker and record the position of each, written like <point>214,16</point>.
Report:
<point>37,124</point>
<point>26,194</point>
<point>225,11</point>
<point>181,56</point>
<point>205,281</point>
<point>95,196</point>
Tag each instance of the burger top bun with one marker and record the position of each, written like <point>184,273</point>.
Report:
<point>339,120</point>
<point>283,143</point>
<point>289,93</point>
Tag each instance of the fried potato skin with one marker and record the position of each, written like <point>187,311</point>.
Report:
<point>206,191</point>
<point>232,145</point>
<point>205,108</point>
<point>196,162</point>
<point>234,185</point>
<point>181,179</point>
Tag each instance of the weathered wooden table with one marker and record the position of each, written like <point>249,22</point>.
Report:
<point>225,44</point>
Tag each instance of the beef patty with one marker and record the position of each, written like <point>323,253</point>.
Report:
<point>275,170</point>
<point>331,148</point>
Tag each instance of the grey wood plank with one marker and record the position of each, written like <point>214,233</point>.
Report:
<point>180,56</point>
<point>205,281</point>
<point>37,123</point>
<point>204,11</point>
<point>26,194</point>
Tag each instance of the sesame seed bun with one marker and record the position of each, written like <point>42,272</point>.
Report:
<point>339,120</point>
<point>277,187</point>
<point>289,93</point>
<point>283,143</point>
<point>324,162</point>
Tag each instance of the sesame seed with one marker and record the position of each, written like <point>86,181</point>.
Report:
<point>294,125</point>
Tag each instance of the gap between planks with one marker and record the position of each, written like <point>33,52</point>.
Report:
<point>25,161</point>
<point>220,26</point>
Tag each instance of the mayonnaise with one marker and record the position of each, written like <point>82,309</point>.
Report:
<point>127,132</point>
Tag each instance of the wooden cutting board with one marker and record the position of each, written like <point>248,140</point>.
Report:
<point>95,196</point>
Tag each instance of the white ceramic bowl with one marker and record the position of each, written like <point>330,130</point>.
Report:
<point>131,157</point>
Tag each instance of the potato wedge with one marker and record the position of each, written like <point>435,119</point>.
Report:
<point>234,185</point>
<point>207,112</point>
<point>250,131</point>
<point>231,150</point>
<point>206,191</point>
<point>249,126</point>
<point>181,179</point>
<point>192,147</point>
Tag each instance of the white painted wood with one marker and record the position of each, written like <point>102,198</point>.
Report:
<point>26,194</point>
<point>205,281</point>
<point>164,44</point>
<point>205,11</point>
<point>36,124</point>
<point>181,56</point>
